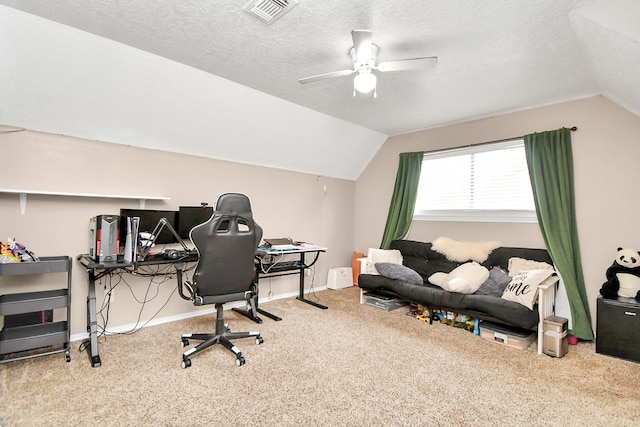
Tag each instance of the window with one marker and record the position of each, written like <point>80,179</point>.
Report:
<point>485,183</point>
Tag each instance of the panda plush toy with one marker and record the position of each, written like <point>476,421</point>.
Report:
<point>623,277</point>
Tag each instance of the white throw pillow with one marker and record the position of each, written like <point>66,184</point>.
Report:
<point>382,255</point>
<point>518,264</point>
<point>465,279</point>
<point>523,288</point>
<point>438,278</point>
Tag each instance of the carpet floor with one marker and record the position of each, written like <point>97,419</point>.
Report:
<point>350,365</point>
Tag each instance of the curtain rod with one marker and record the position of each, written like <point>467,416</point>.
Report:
<point>573,129</point>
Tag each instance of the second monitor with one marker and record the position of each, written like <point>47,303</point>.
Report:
<point>190,216</point>
<point>149,218</point>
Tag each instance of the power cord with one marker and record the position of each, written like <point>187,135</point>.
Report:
<point>109,287</point>
<point>312,290</point>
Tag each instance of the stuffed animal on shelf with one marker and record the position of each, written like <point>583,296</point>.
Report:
<point>623,277</point>
<point>12,251</point>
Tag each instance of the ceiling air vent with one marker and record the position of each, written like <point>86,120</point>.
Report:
<point>269,10</point>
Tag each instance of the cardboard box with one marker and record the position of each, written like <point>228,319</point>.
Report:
<point>383,302</point>
<point>510,337</point>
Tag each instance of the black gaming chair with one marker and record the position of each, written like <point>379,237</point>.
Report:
<point>226,246</point>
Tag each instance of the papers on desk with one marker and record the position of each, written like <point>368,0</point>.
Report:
<point>309,246</point>
<point>288,247</point>
<point>287,244</point>
<point>302,247</point>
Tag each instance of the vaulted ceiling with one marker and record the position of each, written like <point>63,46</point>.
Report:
<point>210,79</point>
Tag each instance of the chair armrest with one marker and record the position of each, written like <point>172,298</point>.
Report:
<point>184,284</point>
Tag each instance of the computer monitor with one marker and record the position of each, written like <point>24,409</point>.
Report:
<point>149,218</point>
<point>190,216</point>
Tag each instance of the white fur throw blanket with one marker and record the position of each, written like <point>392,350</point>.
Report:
<point>459,251</point>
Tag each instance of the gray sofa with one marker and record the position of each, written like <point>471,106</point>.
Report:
<point>421,258</point>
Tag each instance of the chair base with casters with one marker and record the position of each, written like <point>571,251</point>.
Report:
<point>222,336</point>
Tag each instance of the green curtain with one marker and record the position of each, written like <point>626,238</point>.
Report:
<point>404,196</point>
<point>550,162</point>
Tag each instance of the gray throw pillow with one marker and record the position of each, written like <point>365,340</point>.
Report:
<point>399,272</point>
<point>495,284</point>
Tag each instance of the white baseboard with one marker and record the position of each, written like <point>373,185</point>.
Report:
<point>160,320</point>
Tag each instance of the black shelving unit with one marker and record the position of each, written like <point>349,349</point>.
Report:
<point>33,340</point>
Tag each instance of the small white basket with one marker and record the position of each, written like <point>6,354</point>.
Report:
<point>340,278</point>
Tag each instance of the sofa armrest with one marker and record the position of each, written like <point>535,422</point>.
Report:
<point>546,308</point>
<point>365,265</point>
<point>365,268</point>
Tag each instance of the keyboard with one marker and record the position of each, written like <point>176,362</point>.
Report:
<point>280,266</point>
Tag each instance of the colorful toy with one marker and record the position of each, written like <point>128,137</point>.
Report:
<point>12,251</point>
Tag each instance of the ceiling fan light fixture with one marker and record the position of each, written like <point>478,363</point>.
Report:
<point>364,82</point>
<point>364,55</point>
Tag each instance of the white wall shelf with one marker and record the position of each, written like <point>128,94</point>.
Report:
<point>23,196</point>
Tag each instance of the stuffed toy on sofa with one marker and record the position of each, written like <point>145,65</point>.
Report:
<point>623,277</point>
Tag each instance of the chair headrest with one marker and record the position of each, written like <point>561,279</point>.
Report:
<point>233,202</point>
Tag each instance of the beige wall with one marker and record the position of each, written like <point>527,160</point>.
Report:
<point>606,151</point>
<point>284,204</point>
<point>350,217</point>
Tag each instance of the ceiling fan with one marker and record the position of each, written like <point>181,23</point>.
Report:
<point>363,55</point>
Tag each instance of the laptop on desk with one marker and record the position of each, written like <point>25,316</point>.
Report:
<point>280,243</point>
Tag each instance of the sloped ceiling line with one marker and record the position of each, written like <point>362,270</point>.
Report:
<point>209,79</point>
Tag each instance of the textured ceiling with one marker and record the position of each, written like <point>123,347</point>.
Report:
<point>494,57</point>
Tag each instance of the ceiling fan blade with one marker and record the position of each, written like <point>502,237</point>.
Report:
<point>362,44</point>
<point>408,64</point>
<point>325,76</point>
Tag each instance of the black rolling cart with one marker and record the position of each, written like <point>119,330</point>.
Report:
<point>33,339</point>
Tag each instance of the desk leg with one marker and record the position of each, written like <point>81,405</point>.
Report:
<point>92,323</point>
<point>250,315</point>
<point>301,297</point>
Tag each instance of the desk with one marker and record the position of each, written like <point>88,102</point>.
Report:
<point>272,270</point>
<point>283,268</point>
<point>96,270</point>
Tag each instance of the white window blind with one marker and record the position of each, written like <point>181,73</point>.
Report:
<point>485,183</point>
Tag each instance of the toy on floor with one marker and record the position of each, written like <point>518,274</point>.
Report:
<point>623,277</point>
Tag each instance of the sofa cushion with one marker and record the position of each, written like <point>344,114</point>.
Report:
<point>502,310</point>
<point>495,284</point>
<point>439,266</point>
<point>482,306</point>
<point>419,257</point>
<point>523,288</point>
<point>399,272</point>
<point>502,255</point>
